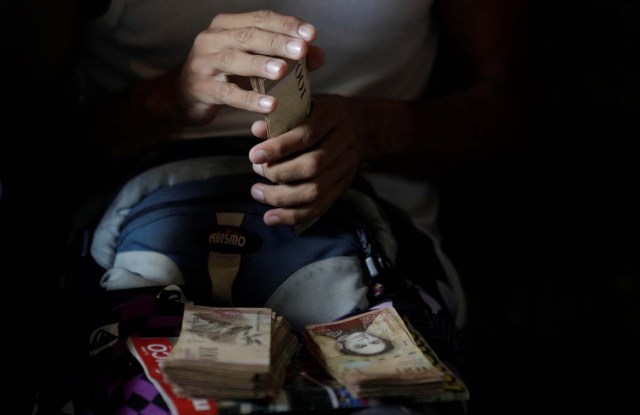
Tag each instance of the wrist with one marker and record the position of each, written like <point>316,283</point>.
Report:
<point>384,126</point>
<point>160,99</point>
<point>130,123</point>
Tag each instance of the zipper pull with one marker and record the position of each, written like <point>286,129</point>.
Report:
<point>376,262</point>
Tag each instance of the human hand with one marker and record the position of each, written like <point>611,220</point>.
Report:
<point>312,164</point>
<point>244,45</point>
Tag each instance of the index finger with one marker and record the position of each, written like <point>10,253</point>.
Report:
<point>267,20</point>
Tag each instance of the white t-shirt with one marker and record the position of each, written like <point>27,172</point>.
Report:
<point>374,48</point>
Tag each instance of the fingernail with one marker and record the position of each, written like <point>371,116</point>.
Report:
<point>266,102</point>
<point>272,220</point>
<point>294,47</point>
<point>274,66</point>
<point>258,169</point>
<point>259,157</point>
<point>257,194</point>
<point>306,31</point>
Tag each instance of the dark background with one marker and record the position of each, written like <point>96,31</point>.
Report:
<point>544,239</point>
<point>547,241</point>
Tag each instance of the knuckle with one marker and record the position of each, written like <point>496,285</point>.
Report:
<point>273,197</point>
<point>244,35</point>
<point>197,66</point>
<point>225,60</point>
<point>274,175</point>
<point>217,19</point>
<point>276,42</point>
<point>311,168</point>
<point>267,172</point>
<point>290,23</point>
<point>250,99</point>
<point>223,91</point>
<point>307,137</point>
<point>313,192</point>
<point>261,16</point>
<point>257,63</point>
<point>201,39</point>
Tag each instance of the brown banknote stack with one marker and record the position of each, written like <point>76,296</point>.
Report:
<point>374,355</point>
<point>230,353</point>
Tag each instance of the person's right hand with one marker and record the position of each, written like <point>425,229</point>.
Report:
<point>246,44</point>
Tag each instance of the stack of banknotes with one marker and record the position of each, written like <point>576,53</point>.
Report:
<point>230,353</point>
<point>374,355</point>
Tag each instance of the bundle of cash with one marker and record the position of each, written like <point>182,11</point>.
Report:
<point>230,353</point>
<point>373,354</point>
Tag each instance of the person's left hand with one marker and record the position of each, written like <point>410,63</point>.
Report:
<point>312,164</point>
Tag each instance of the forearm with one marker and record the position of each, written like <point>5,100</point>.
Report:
<point>485,65</point>
<point>132,121</point>
<point>424,138</point>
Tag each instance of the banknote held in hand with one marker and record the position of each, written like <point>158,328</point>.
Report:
<point>292,94</point>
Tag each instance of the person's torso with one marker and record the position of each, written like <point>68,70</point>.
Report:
<point>377,48</point>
